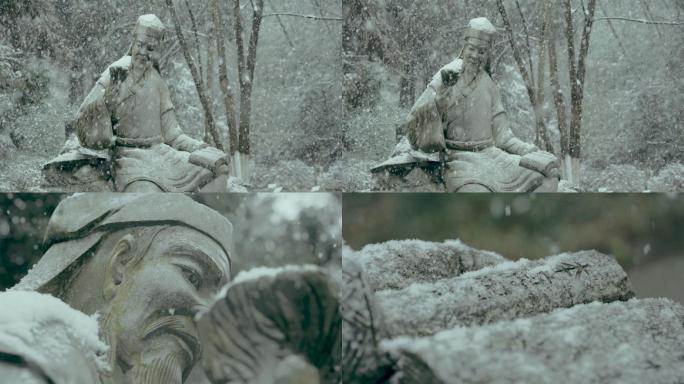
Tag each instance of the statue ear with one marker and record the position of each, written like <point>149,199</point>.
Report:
<point>117,265</point>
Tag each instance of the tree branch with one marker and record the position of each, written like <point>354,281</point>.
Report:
<point>640,20</point>
<point>208,116</point>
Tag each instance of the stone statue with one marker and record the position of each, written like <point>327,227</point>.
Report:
<point>459,134</point>
<point>129,114</point>
<point>274,325</point>
<point>147,263</point>
<point>43,340</point>
<point>148,268</point>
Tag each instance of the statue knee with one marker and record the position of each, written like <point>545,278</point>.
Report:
<point>142,186</point>
<point>477,188</point>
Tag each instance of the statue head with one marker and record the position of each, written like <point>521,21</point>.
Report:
<point>148,36</point>
<point>147,263</point>
<point>479,37</point>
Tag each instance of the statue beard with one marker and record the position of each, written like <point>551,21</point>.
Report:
<point>471,70</point>
<point>157,365</point>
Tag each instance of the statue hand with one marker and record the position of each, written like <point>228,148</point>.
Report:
<point>449,77</point>
<point>223,169</point>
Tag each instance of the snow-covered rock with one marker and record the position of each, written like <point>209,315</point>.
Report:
<point>504,291</point>
<point>46,332</point>
<point>397,264</point>
<point>638,341</point>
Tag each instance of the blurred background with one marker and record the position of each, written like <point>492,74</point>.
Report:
<point>269,229</point>
<point>643,231</point>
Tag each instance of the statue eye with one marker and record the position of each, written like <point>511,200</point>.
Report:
<point>191,276</point>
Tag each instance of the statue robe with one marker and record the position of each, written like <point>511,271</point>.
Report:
<point>469,122</point>
<point>148,143</point>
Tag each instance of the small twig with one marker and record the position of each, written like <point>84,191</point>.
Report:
<point>305,16</point>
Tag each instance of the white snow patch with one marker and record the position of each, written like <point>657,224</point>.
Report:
<point>28,325</point>
<point>481,24</point>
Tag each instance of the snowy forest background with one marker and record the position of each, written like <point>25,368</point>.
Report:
<point>51,53</point>
<point>642,231</point>
<point>268,229</point>
<point>630,136</point>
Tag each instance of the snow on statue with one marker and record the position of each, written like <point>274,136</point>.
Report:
<point>458,134</point>
<point>130,116</point>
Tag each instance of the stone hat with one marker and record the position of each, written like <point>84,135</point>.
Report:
<point>81,221</point>
<point>149,25</point>
<point>481,29</point>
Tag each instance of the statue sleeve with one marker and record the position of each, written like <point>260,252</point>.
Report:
<point>173,135</point>
<point>93,121</point>
<point>424,122</point>
<point>501,129</point>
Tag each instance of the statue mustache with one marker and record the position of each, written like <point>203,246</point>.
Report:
<point>180,326</point>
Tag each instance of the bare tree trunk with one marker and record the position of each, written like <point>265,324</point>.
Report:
<point>527,41</point>
<point>558,98</point>
<point>228,100</point>
<point>239,42</point>
<point>208,115</point>
<point>246,91</point>
<point>542,137</point>
<point>571,160</point>
<point>209,71</point>
<point>577,76</point>
<point>199,46</point>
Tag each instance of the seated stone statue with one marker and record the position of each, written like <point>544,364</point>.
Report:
<point>129,114</point>
<point>458,135</point>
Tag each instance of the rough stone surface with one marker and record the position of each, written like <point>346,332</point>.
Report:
<point>415,180</point>
<point>398,264</point>
<point>670,178</point>
<point>505,291</point>
<point>362,329</point>
<point>638,341</point>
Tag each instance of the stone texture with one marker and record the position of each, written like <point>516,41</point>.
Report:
<point>398,264</point>
<point>670,178</point>
<point>362,329</point>
<point>505,291</point>
<point>638,341</point>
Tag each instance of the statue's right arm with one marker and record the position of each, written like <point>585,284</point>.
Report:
<point>93,120</point>
<point>424,122</point>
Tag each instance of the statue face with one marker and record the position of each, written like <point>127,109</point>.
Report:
<point>145,50</point>
<point>475,53</point>
<point>151,317</point>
